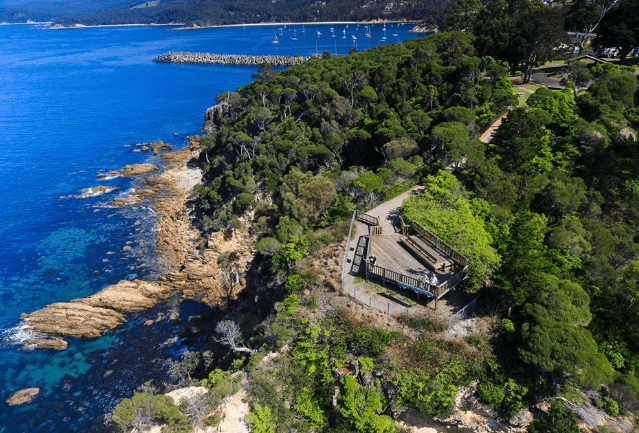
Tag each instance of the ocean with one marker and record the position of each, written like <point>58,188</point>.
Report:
<point>73,104</point>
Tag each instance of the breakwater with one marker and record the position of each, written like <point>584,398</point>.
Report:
<point>229,59</point>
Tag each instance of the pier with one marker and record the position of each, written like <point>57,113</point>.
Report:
<point>229,59</point>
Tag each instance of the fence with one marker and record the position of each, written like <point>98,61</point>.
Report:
<point>465,312</point>
<point>348,244</point>
<point>377,302</point>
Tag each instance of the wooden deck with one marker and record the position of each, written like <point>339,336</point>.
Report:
<point>414,259</point>
<point>391,253</point>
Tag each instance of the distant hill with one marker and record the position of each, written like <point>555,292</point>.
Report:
<point>215,12</point>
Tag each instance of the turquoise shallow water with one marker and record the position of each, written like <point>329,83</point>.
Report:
<point>73,104</point>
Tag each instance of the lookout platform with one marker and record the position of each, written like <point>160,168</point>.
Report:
<point>408,256</point>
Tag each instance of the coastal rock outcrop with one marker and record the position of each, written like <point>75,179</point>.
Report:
<point>127,296</point>
<point>23,396</point>
<point>72,319</point>
<point>138,169</point>
<point>91,316</point>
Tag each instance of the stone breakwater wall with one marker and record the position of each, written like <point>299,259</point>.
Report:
<point>229,59</point>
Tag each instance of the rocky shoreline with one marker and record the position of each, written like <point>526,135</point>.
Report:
<point>189,275</point>
<point>229,59</point>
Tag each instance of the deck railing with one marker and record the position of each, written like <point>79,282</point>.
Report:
<point>405,228</point>
<point>440,245</point>
<point>366,219</point>
<point>375,230</point>
<point>397,277</point>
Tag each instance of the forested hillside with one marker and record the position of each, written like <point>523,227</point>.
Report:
<point>218,12</point>
<point>554,195</point>
<point>547,212</point>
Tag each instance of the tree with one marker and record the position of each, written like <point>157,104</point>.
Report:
<point>231,336</point>
<point>584,17</point>
<point>620,28</point>
<point>462,15</point>
<point>559,420</point>
<point>521,32</point>
<point>445,209</point>
<point>307,196</point>
<point>554,337</point>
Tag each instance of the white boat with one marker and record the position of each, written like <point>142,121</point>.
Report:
<point>275,41</point>
<point>319,33</point>
<point>294,38</point>
<point>344,35</point>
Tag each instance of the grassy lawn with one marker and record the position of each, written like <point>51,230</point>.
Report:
<point>553,63</point>
<point>526,95</point>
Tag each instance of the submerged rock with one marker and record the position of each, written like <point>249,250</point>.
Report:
<point>47,343</point>
<point>95,191</point>
<point>23,396</point>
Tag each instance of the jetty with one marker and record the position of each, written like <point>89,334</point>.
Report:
<point>229,59</point>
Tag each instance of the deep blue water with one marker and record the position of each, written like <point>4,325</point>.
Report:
<point>73,104</point>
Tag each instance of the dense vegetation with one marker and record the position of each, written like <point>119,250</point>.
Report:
<point>547,212</point>
<point>217,12</point>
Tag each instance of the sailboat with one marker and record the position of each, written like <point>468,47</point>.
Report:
<point>275,41</point>
<point>319,33</point>
<point>294,38</point>
<point>395,32</point>
<point>368,32</point>
<point>344,36</point>
<point>303,30</point>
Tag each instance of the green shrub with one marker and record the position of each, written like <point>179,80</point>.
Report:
<point>291,302</point>
<point>609,405</point>
<point>559,419</point>
<point>136,412</point>
<point>220,384</point>
<point>227,256</point>
<point>372,340</point>
<point>507,398</point>
<point>243,201</point>
<point>361,407</point>
<point>268,246</point>
<point>491,394</point>
<point>260,420</point>
<point>295,283</point>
